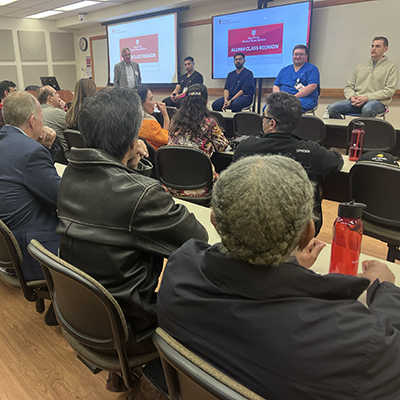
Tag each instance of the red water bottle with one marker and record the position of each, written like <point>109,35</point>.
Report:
<point>357,140</point>
<point>346,242</point>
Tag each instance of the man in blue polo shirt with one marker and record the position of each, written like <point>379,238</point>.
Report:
<point>300,79</point>
<point>239,87</point>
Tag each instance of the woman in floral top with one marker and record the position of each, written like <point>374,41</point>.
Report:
<point>193,126</point>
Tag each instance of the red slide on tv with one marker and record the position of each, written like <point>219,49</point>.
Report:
<point>144,49</point>
<point>256,40</point>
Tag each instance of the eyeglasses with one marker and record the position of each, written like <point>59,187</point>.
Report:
<point>265,117</point>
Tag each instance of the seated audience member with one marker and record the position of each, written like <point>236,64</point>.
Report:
<point>6,87</point>
<point>120,226</point>
<point>191,77</point>
<point>53,113</point>
<point>281,118</point>
<point>239,87</point>
<point>151,130</point>
<point>194,126</point>
<point>83,88</point>
<point>251,307</point>
<point>28,180</point>
<point>300,79</point>
<point>371,86</point>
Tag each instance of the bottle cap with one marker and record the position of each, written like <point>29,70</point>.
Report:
<point>358,125</point>
<point>351,209</point>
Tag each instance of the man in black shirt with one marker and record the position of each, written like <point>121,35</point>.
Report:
<point>189,78</point>
<point>281,118</point>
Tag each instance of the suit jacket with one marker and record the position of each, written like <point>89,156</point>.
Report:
<point>120,79</point>
<point>28,194</point>
<point>55,119</point>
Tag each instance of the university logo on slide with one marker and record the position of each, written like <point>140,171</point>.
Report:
<point>144,49</point>
<point>256,40</point>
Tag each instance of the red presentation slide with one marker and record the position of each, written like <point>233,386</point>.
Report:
<point>144,49</point>
<point>256,40</point>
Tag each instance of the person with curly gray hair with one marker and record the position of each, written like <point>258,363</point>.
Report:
<point>251,307</point>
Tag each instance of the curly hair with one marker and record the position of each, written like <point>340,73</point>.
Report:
<point>262,204</point>
<point>192,113</point>
<point>83,88</point>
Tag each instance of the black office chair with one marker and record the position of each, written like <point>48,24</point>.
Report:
<point>311,128</point>
<point>171,112</point>
<point>73,138</point>
<point>379,135</point>
<point>11,260</point>
<point>189,377</point>
<point>90,318</point>
<point>185,168</point>
<point>219,118</point>
<point>376,185</point>
<point>247,124</point>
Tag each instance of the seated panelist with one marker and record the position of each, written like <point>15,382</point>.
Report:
<point>239,88</point>
<point>252,308</point>
<point>371,87</point>
<point>191,77</point>
<point>300,79</point>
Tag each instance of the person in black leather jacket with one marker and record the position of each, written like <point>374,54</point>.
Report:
<point>115,224</point>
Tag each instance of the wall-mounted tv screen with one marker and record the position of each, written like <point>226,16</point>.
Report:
<point>266,36</point>
<point>153,45</point>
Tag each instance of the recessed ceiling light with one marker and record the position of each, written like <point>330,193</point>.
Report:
<point>44,14</point>
<point>75,6</point>
<point>4,2</point>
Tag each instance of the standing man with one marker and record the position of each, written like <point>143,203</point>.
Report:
<point>239,87</point>
<point>281,118</point>
<point>28,180</point>
<point>54,114</point>
<point>6,87</point>
<point>190,78</point>
<point>127,72</point>
<point>300,79</point>
<point>371,86</point>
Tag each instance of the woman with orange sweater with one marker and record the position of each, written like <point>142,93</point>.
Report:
<point>151,130</point>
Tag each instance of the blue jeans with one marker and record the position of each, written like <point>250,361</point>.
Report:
<point>370,109</point>
<point>236,105</point>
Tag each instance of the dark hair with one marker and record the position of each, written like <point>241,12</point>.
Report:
<point>142,91</point>
<point>191,115</point>
<point>239,54</point>
<point>285,109</point>
<point>110,120</point>
<point>43,93</point>
<point>383,38</point>
<point>300,46</point>
<point>189,58</point>
<point>5,86</point>
<point>83,88</point>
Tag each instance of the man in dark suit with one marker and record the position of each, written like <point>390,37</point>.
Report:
<point>127,72</point>
<point>28,180</point>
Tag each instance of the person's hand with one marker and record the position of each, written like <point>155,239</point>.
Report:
<point>162,107</point>
<point>173,97</point>
<point>47,137</point>
<point>373,270</point>
<point>353,100</point>
<point>141,151</point>
<point>361,100</point>
<point>226,104</point>
<point>310,253</point>
<point>61,103</point>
